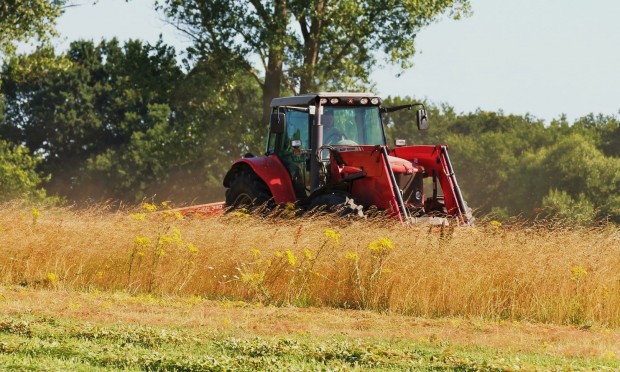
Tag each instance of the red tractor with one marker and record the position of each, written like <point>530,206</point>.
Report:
<point>329,150</point>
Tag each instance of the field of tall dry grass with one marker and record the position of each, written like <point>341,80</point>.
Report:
<point>518,272</point>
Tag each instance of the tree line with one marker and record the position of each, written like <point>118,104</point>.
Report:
<point>127,121</point>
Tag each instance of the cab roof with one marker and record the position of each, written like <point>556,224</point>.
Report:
<point>311,98</point>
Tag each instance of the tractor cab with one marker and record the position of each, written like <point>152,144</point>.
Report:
<point>313,124</point>
<point>327,149</point>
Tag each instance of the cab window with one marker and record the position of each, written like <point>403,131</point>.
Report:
<point>297,128</point>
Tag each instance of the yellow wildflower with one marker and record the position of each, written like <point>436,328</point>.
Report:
<point>164,240</point>
<point>381,245</point>
<point>253,277</point>
<point>176,236</point>
<point>308,253</point>
<point>331,234</point>
<point>75,305</point>
<point>352,256</point>
<point>142,242</point>
<point>192,248</point>
<point>138,216</point>
<point>255,252</point>
<point>36,213</point>
<point>578,272</point>
<point>149,207</point>
<point>52,277</point>
<point>279,254</point>
<point>496,224</point>
<point>290,256</point>
<point>240,214</point>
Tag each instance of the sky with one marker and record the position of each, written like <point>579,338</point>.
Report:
<point>545,58</point>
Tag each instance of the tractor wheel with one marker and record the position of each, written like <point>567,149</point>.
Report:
<point>339,203</point>
<point>248,191</point>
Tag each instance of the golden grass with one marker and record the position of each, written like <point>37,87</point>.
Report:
<point>563,276</point>
<point>239,319</point>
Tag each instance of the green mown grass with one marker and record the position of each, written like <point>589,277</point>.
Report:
<point>30,342</point>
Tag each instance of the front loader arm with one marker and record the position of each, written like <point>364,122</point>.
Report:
<point>436,161</point>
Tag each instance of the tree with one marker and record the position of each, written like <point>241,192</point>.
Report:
<point>574,165</point>
<point>24,20</point>
<point>91,100</point>
<point>561,206</point>
<point>18,175</point>
<point>603,129</point>
<point>126,122</point>
<point>306,45</point>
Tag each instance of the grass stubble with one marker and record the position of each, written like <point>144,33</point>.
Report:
<point>458,295</point>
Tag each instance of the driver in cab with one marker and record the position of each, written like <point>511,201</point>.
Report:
<point>331,134</point>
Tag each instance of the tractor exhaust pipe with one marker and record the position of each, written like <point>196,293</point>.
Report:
<point>316,141</point>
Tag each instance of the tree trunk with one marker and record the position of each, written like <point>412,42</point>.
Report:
<point>311,53</point>
<point>275,58</point>
<point>273,82</point>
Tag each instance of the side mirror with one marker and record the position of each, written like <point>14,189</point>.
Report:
<point>422,120</point>
<point>278,123</point>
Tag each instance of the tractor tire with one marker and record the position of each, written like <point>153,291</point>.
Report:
<point>248,191</point>
<point>339,203</point>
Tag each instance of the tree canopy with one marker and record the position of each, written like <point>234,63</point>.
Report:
<point>307,45</point>
<point>23,21</point>
<point>26,20</point>
<point>112,121</point>
<point>18,175</point>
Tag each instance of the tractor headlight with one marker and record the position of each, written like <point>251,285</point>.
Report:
<point>418,195</point>
<point>323,101</point>
<point>374,101</point>
<point>364,101</point>
<point>334,101</point>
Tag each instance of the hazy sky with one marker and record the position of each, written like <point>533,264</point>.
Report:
<point>543,57</point>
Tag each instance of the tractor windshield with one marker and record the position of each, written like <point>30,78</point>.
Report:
<point>341,126</point>
<point>352,125</point>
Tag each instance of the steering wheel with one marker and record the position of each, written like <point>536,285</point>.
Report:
<point>335,137</point>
